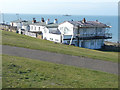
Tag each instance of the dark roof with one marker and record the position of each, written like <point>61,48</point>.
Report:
<point>27,23</point>
<point>51,25</point>
<point>24,22</point>
<point>18,21</point>
<point>54,31</point>
<point>88,24</point>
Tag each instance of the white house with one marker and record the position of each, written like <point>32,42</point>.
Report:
<point>18,23</point>
<point>86,34</point>
<point>23,27</point>
<point>49,31</point>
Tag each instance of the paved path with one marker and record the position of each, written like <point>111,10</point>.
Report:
<point>105,66</point>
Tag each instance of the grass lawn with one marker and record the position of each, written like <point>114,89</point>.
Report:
<point>19,72</point>
<point>13,39</point>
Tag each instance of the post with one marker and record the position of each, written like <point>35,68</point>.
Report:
<point>3,18</point>
<point>78,36</point>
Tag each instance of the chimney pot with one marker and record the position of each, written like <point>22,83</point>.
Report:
<point>33,21</point>
<point>55,21</point>
<point>42,20</point>
<point>84,20</point>
<point>48,21</point>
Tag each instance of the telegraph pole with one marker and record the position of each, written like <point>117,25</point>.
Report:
<point>0,17</point>
<point>3,18</point>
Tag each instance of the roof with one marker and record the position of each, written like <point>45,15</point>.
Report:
<point>55,31</point>
<point>27,23</point>
<point>18,21</point>
<point>88,24</point>
<point>24,22</point>
<point>51,25</point>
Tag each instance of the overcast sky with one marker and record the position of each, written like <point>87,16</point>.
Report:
<point>74,7</point>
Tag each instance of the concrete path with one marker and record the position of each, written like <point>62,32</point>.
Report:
<point>105,66</point>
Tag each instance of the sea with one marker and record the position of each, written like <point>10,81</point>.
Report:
<point>109,20</point>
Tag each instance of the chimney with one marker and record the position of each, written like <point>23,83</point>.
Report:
<point>55,21</point>
<point>84,20</point>
<point>33,21</point>
<point>96,20</point>
<point>48,21</point>
<point>42,20</point>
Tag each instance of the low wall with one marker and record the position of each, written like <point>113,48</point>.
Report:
<point>52,37</point>
<point>30,34</point>
<point>8,28</point>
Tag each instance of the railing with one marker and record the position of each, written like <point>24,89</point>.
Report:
<point>92,36</point>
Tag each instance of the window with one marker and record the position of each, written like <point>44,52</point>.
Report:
<point>56,39</point>
<point>31,27</point>
<point>99,42</point>
<point>92,42</point>
<point>39,28</point>
<point>84,31</point>
<point>51,38</point>
<point>66,30</point>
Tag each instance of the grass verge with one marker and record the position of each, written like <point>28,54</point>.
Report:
<point>13,39</point>
<point>19,72</point>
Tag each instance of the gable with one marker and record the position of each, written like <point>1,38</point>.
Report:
<point>66,28</point>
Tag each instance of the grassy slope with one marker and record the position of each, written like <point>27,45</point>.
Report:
<point>27,73</point>
<point>13,39</point>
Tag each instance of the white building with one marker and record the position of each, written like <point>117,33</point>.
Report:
<point>86,34</point>
<point>23,27</point>
<point>49,31</point>
<point>18,23</point>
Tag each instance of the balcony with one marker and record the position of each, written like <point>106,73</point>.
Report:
<point>94,36</point>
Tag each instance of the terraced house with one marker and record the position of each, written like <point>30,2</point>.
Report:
<point>86,34</point>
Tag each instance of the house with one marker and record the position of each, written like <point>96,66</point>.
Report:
<point>7,27</point>
<point>17,23</point>
<point>23,27</point>
<point>47,30</point>
<point>86,34</point>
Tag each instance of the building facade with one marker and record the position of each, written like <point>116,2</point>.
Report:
<point>86,34</point>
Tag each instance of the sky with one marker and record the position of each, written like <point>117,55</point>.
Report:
<point>73,7</point>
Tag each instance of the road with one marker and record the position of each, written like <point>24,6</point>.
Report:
<point>99,65</point>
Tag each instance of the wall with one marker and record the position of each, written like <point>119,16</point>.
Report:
<point>26,28</point>
<point>18,25</point>
<point>36,28</point>
<point>52,37</point>
<point>92,44</point>
<point>30,34</point>
<point>89,31</point>
<point>66,28</point>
